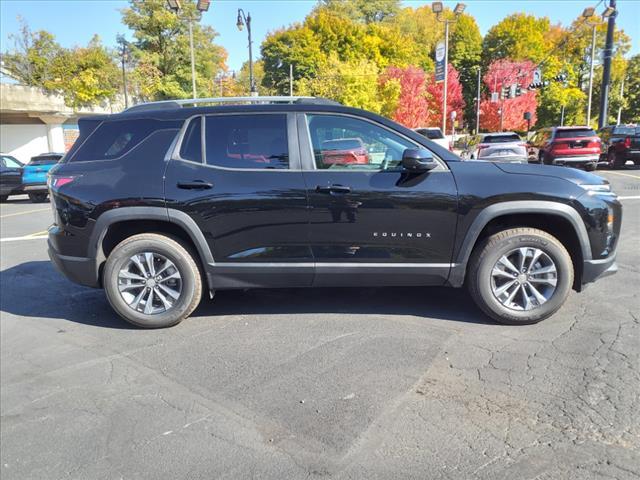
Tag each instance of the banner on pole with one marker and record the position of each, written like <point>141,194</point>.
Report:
<point>440,62</point>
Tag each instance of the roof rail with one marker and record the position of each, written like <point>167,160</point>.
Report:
<point>229,100</point>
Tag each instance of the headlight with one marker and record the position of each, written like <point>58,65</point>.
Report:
<point>600,189</point>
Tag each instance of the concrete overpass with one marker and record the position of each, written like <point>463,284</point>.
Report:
<point>32,122</point>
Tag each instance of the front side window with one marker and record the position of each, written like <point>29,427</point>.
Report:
<point>247,141</point>
<point>347,143</point>
<point>11,162</point>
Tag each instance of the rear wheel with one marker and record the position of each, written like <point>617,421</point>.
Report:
<point>152,281</point>
<point>3,198</point>
<point>38,197</point>
<point>520,276</point>
<point>612,160</point>
<point>590,167</point>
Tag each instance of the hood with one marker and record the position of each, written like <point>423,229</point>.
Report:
<point>579,177</point>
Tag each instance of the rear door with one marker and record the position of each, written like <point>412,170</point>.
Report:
<point>371,222</point>
<point>238,177</point>
<point>10,174</point>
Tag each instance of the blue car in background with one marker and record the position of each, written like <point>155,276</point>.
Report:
<point>34,175</point>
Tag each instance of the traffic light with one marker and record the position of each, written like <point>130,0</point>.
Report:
<point>512,91</point>
<point>561,77</point>
<point>504,92</point>
<point>518,91</point>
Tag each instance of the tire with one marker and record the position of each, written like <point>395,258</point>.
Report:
<point>38,197</point>
<point>612,160</point>
<point>161,246</point>
<point>3,198</point>
<point>485,257</point>
<point>590,167</point>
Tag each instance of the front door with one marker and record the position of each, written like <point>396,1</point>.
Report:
<point>371,222</point>
<point>244,188</point>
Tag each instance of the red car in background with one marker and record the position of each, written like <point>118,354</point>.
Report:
<point>574,146</point>
<point>344,151</point>
<point>620,143</point>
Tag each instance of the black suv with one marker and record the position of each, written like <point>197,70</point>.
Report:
<point>165,200</point>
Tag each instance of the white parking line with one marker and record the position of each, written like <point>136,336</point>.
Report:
<point>633,197</point>
<point>26,237</point>
<point>25,212</point>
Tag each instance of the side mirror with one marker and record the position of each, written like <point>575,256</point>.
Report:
<point>418,160</point>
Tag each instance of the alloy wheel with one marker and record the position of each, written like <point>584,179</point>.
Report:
<point>150,283</point>
<point>524,278</point>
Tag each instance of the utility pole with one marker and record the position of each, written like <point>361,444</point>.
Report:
<point>621,100</point>
<point>610,13</point>
<point>587,14</point>
<point>562,116</point>
<point>478,104</point>
<point>123,52</point>
<point>193,61</point>
<point>291,80</point>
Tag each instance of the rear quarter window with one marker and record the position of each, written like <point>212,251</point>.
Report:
<point>115,139</point>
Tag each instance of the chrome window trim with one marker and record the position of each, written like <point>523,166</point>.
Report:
<point>442,166</point>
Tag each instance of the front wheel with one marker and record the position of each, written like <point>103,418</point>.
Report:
<point>38,197</point>
<point>152,281</point>
<point>520,276</point>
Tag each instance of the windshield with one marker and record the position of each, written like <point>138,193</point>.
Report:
<point>511,137</point>
<point>575,132</point>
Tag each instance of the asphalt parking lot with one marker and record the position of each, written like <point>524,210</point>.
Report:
<point>341,383</point>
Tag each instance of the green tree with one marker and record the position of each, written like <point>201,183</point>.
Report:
<point>352,82</point>
<point>631,110</point>
<point>363,11</point>
<point>85,75</point>
<point>518,37</point>
<point>30,61</point>
<point>162,52</point>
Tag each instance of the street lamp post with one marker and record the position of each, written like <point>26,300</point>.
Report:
<point>478,104</point>
<point>587,14</point>
<point>201,6</point>
<point>438,8</point>
<point>241,22</point>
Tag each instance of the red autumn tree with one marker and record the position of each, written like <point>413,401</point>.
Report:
<point>455,100</point>
<point>412,108</point>
<point>504,73</point>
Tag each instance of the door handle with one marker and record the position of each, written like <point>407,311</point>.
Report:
<point>195,185</point>
<point>333,189</point>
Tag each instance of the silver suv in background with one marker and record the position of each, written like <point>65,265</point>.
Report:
<point>435,135</point>
<point>500,147</point>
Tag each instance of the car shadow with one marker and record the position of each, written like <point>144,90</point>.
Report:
<point>36,289</point>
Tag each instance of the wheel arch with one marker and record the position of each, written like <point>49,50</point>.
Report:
<point>117,224</point>
<point>557,219</point>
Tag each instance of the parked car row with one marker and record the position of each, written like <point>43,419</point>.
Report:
<point>17,178</point>
<point>574,146</point>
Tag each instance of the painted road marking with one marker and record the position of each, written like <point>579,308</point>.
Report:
<point>26,237</point>
<point>633,197</point>
<point>624,174</point>
<point>24,213</point>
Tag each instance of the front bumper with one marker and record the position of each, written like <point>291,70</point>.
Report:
<point>77,269</point>
<point>593,270</point>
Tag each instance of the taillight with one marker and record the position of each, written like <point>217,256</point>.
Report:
<point>627,142</point>
<point>57,181</point>
<point>594,143</point>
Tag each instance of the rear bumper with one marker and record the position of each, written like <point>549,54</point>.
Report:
<point>80,270</point>
<point>593,270</point>
<point>34,187</point>
<point>561,160</point>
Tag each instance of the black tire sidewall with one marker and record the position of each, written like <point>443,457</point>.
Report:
<point>116,261</point>
<point>565,279</point>
<point>38,197</point>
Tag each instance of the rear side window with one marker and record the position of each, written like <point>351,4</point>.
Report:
<point>247,141</point>
<point>575,133</point>
<point>431,133</point>
<point>191,148</point>
<point>114,139</point>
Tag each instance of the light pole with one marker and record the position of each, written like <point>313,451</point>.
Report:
<point>124,51</point>
<point>241,22</point>
<point>610,14</point>
<point>478,104</point>
<point>438,8</point>
<point>201,6</point>
<point>587,14</point>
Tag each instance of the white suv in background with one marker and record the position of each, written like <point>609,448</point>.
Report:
<point>500,147</point>
<point>435,135</point>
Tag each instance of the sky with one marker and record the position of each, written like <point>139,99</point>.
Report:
<point>74,22</point>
